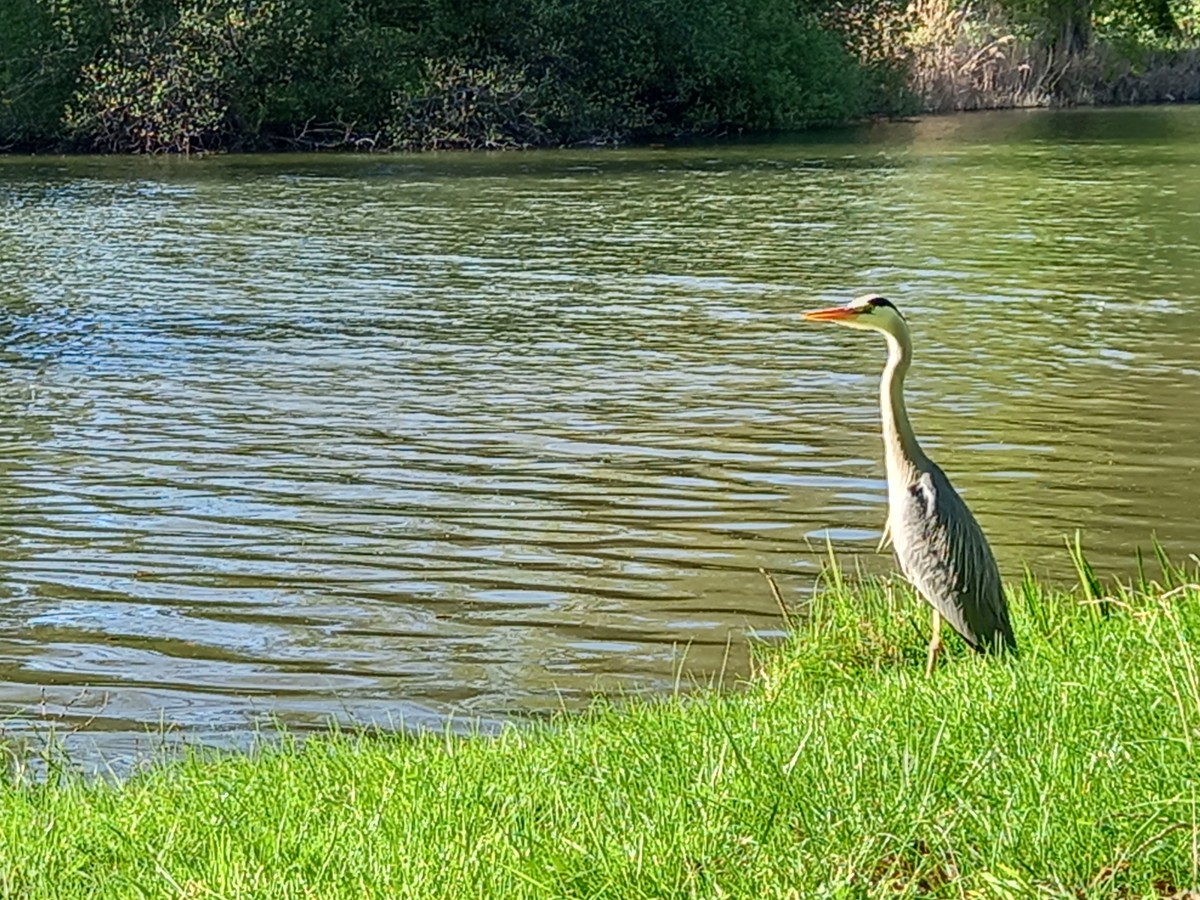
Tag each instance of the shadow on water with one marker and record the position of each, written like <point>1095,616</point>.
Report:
<point>384,439</point>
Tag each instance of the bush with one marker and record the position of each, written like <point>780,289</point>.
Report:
<point>760,67</point>
<point>328,75</point>
<point>465,107</point>
<point>599,70</point>
<point>161,89</point>
<point>40,53</point>
<point>185,75</point>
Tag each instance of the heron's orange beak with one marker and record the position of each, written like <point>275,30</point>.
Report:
<point>832,314</point>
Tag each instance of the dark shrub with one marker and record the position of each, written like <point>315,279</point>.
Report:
<point>186,75</point>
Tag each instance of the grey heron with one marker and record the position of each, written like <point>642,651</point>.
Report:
<point>939,546</point>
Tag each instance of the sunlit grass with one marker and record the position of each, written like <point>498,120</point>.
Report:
<point>839,771</point>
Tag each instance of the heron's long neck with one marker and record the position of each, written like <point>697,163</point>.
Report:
<point>903,454</point>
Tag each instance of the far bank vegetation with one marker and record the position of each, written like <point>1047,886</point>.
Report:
<point>152,76</point>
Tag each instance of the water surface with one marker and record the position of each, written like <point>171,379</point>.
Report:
<point>391,439</point>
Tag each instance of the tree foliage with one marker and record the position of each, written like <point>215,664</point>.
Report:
<point>1071,25</point>
<point>186,75</point>
<point>182,75</point>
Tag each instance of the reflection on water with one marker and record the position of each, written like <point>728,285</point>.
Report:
<point>387,439</point>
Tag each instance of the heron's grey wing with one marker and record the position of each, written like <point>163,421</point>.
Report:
<point>947,558</point>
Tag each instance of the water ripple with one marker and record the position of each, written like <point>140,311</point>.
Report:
<point>391,439</point>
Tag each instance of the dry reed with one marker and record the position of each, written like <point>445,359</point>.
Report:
<point>968,57</point>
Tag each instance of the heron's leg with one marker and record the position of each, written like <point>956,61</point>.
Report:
<point>935,643</point>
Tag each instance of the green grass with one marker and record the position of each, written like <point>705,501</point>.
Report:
<point>839,771</point>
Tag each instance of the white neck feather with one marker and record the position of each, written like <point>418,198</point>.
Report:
<point>902,452</point>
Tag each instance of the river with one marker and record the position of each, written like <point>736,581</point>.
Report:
<point>396,440</point>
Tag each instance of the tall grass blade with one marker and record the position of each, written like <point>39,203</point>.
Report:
<point>1033,600</point>
<point>1093,591</point>
<point>1142,585</point>
<point>1171,576</point>
<point>831,573</point>
<point>783,610</point>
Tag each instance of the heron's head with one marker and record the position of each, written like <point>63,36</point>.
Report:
<point>870,312</point>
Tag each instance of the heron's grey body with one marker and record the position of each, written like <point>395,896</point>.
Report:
<point>939,546</point>
<point>943,552</point>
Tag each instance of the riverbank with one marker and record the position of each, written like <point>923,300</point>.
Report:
<point>965,58</point>
<point>188,76</point>
<point>839,771</point>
